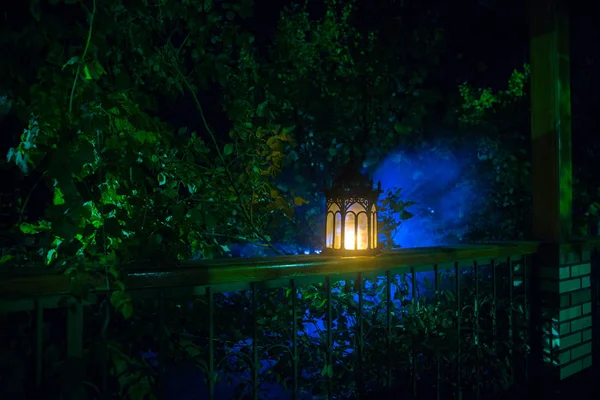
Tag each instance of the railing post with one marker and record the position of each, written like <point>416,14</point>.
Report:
<point>211,373</point>
<point>561,274</point>
<point>294,294</point>
<point>550,121</point>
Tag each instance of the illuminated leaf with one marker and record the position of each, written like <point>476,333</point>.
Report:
<point>162,178</point>
<point>86,73</point>
<point>228,149</point>
<point>58,198</point>
<point>71,61</point>
<point>299,201</point>
<point>5,258</point>
<point>51,256</point>
<point>32,229</point>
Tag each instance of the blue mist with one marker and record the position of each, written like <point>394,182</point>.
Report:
<point>435,180</point>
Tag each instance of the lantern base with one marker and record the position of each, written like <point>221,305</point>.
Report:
<point>350,253</point>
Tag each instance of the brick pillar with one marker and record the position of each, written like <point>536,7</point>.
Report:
<point>566,310</point>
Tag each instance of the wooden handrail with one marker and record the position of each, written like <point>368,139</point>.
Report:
<point>31,282</point>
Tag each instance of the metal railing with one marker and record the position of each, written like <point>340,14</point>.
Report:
<point>432,323</point>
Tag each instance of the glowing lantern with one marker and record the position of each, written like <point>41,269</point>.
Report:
<point>351,224</point>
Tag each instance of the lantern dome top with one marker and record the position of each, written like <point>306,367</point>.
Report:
<point>352,180</point>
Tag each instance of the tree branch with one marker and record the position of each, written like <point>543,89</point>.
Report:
<point>221,158</point>
<point>85,51</point>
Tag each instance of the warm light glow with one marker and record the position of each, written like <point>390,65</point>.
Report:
<point>349,239</point>
<point>356,235</point>
<point>351,219</point>
<point>333,233</point>
<point>358,224</point>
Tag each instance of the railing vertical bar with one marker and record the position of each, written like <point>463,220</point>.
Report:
<point>294,294</point>
<point>494,300</point>
<point>39,341</point>
<point>388,329</point>
<point>438,361</point>
<point>476,336</point>
<point>458,328</point>
<point>105,307</point>
<point>360,334</point>
<point>413,350</point>
<point>162,345</point>
<point>525,330</point>
<point>511,342</point>
<point>211,373</point>
<point>255,364</point>
<point>329,336</point>
<point>74,344</point>
<point>595,261</point>
<point>75,329</point>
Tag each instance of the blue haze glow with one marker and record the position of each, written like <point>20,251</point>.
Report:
<point>434,179</point>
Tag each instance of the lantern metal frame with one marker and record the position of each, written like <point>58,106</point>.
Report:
<point>349,189</point>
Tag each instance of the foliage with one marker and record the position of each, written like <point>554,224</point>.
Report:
<point>392,212</point>
<point>477,102</point>
<point>123,183</point>
<point>107,93</point>
<point>366,89</point>
<point>497,125</point>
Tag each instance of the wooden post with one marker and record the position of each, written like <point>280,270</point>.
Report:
<point>562,308</point>
<point>550,121</point>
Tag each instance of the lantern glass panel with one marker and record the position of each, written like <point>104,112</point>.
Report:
<point>356,228</point>
<point>329,230</point>
<point>362,240</point>
<point>333,228</point>
<point>337,240</point>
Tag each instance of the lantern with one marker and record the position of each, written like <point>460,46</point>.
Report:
<point>351,224</point>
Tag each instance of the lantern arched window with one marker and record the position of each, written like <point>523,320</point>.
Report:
<point>351,223</point>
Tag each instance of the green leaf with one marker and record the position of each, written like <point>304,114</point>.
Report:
<point>86,73</point>
<point>5,258</point>
<point>58,198</point>
<point>228,149</point>
<point>210,221</point>
<point>406,214</point>
<point>98,68</point>
<point>162,178</point>
<point>51,256</point>
<point>298,201</point>
<point>127,309</point>
<point>71,61</point>
<point>32,229</point>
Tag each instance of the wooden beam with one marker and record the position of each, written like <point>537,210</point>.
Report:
<point>551,121</point>
<point>18,285</point>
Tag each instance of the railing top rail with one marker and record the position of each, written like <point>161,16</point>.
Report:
<point>31,282</point>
